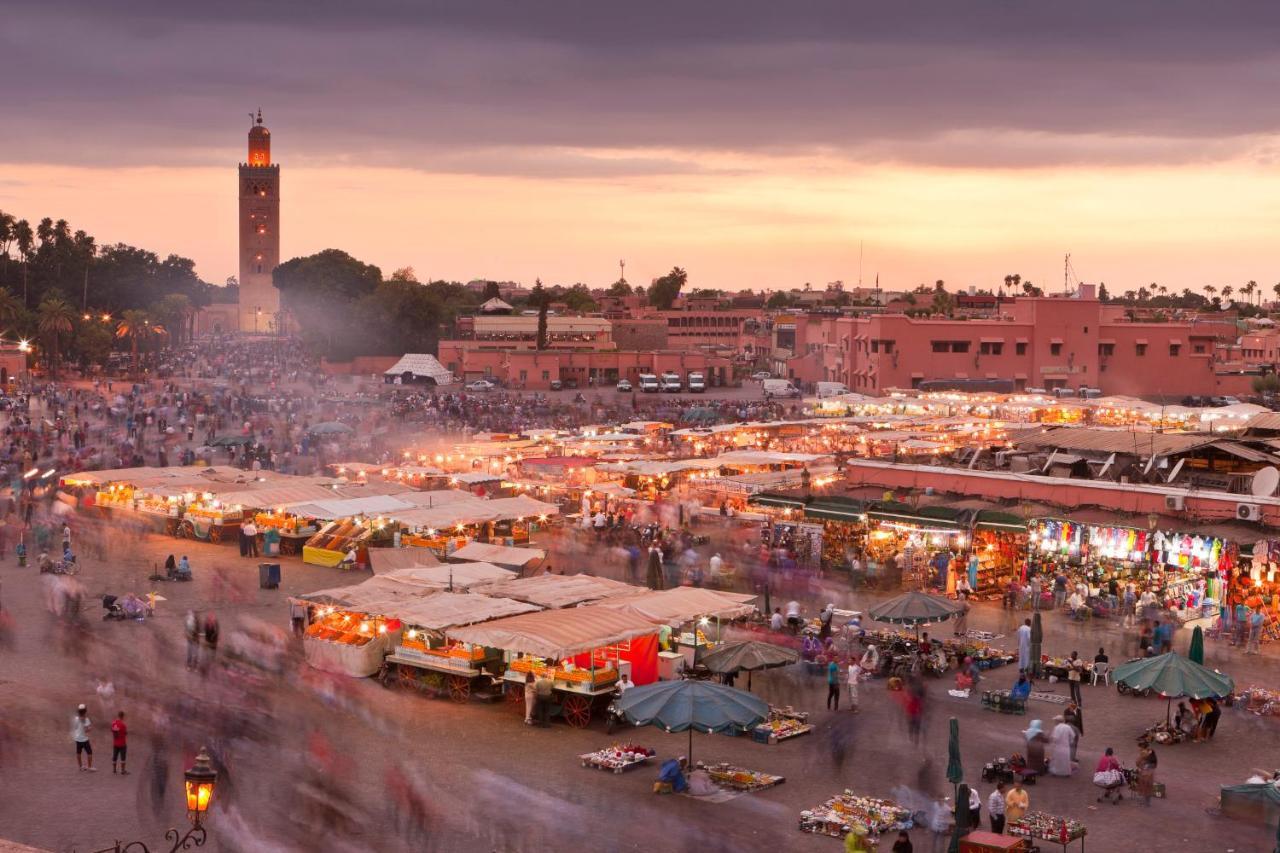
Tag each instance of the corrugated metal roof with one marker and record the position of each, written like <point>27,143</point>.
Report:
<point>1264,420</point>
<point>1118,441</point>
<point>1251,454</point>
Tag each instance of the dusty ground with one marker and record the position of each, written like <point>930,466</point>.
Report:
<point>491,782</point>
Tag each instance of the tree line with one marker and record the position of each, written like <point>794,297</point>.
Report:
<point>77,300</point>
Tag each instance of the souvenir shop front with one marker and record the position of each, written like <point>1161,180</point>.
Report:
<point>999,551</point>
<point>1182,569</point>
<point>916,547</point>
<point>1254,582</point>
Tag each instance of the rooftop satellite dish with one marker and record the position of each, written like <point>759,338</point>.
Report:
<point>1264,482</point>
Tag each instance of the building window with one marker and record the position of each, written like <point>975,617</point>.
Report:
<point>991,348</point>
<point>959,346</point>
<point>546,374</point>
<point>1141,349</point>
<point>887,346</point>
<point>1198,349</point>
<point>1106,349</point>
<point>941,346</point>
<point>875,346</point>
<point>1175,349</point>
<point>1055,349</point>
<point>1020,348</point>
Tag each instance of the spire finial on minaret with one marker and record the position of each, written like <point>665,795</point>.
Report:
<point>259,115</point>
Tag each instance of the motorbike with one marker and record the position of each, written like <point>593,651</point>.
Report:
<point>61,567</point>
<point>612,716</point>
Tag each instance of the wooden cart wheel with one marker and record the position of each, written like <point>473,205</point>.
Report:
<point>406,677</point>
<point>215,533</point>
<point>577,711</point>
<point>459,688</point>
<point>515,697</point>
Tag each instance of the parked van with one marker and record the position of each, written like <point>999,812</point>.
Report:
<point>697,383</point>
<point>779,388</point>
<point>1090,393</point>
<point>1064,392</point>
<point>831,389</point>
<point>671,383</point>
<point>649,383</point>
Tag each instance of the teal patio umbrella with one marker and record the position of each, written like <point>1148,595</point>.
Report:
<point>916,609</point>
<point>1037,642</point>
<point>688,705</point>
<point>330,428</point>
<point>748,656</point>
<point>955,769</point>
<point>964,817</point>
<point>1173,676</point>
<point>230,440</point>
<point>1196,652</point>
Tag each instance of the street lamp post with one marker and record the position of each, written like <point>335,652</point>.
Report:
<point>200,780</point>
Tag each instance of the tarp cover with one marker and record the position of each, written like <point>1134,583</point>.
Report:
<point>443,610</point>
<point>557,633</point>
<point>558,590</point>
<point>683,604</point>
<point>499,555</point>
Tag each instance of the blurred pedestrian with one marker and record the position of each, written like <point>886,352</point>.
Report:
<point>833,685</point>
<point>191,625</point>
<point>119,743</point>
<point>210,639</point>
<point>80,725</point>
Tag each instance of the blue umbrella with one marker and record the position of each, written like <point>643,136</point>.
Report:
<point>702,705</point>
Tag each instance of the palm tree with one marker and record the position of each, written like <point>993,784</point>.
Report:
<point>11,306</point>
<point>55,319</point>
<point>1211,290</point>
<point>1226,293</point>
<point>1275,288</point>
<point>136,326</point>
<point>175,309</point>
<point>1248,290</point>
<point>1143,294</point>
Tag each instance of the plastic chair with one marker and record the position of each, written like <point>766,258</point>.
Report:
<point>1102,670</point>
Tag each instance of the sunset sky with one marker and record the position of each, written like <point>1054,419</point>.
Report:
<point>755,144</point>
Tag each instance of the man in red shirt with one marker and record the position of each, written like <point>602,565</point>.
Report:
<point>119,742</point>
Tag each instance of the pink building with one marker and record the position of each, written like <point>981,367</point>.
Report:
<point>1041,342</point>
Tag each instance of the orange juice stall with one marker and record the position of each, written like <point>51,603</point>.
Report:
<point>427,658</point>
<point>581,650</point>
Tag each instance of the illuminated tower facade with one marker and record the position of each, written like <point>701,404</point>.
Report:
<point>259,234</point>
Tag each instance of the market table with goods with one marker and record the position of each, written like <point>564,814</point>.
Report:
<point>838,815</point>
<point>783,723</point>
<point>617,758</point>
<point>1047,827</point>
<point>741,779</point>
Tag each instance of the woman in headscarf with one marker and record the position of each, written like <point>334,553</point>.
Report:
<point>1060,748</point>
<point>1036,742</point>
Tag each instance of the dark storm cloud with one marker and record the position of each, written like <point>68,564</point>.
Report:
<point>527,87</point>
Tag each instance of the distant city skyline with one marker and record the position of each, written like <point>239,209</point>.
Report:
<point>754,149</point>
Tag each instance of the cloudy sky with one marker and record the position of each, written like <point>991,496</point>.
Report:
<point>757,144</point>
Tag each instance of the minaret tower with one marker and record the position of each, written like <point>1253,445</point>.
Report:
<point>259,234</point>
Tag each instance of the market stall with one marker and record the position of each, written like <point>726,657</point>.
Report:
<point>693,614</point>
<point>348,642</point>
<point>998,551</point>
<point>556,591</point>
<point>499,555</point>
<point>1046,827</point>
<point>580,649</point>
<point>427,658</point>
<point>840,814</point>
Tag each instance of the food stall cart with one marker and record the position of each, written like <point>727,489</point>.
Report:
<point>690,611</point>
<point>427,658</point>
<point>347,642</point>
<point>582,649</point>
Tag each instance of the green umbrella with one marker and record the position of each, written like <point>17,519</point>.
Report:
<point>1196,652</point>
<point>955,770</point>
<point>915,608</point>
<point>964,817</point>
<point>702,705</point>
<point>330,428</point>
<point>748,656</point>
<point>1172,676</point>
<point>230,440</point>
<point>1037,640</point>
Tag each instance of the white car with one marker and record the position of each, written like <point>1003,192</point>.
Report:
<point>624,385</point>
<point>761,375</point>
<point>481,385</point>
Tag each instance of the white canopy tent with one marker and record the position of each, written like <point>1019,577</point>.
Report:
<point>557,590</point>
<point>499,555</point>
<point>421,365</point>
<point>557,633</point>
